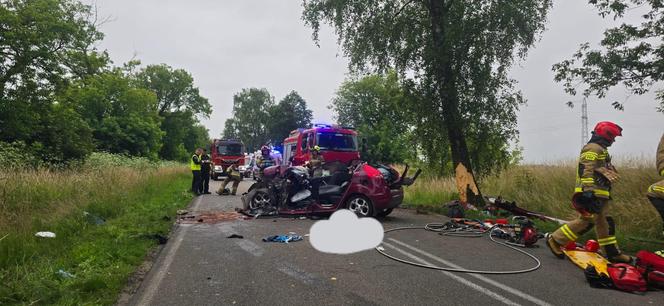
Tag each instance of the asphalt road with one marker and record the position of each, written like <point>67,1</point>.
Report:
<point>200,266</point>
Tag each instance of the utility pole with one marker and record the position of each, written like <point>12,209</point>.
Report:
<point>584,122</point>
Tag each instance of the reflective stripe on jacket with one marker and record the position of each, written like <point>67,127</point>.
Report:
<point>195,163</point>
<point>594,159</point>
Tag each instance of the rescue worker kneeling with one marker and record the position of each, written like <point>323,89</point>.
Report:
<point>656,191</point>
<point>232,174</point>
<point>592,196</point>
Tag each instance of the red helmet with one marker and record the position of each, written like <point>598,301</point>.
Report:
<point>591,246</point>
<point>608,130</point>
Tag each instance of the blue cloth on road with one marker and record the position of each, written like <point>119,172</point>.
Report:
<point>282,238</point>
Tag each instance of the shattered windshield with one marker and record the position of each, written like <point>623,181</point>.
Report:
<point>230,149</point>
<point>336,141</point>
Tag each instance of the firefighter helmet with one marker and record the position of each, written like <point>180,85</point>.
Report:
<point>608,130</point>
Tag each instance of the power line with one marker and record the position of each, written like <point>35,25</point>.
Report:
<point>584,122</point>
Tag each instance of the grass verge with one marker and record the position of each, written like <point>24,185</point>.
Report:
<point>95,259</point>
<point>548,189</point>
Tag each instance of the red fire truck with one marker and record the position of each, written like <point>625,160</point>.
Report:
<point>336,144</point>
<point>225,152</point>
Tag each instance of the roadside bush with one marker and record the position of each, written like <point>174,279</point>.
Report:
<point>99,161</point>
<point>17,155</point>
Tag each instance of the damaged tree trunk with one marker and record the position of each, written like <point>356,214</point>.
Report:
<point>448,95</point>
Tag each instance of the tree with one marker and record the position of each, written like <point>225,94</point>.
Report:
<point>230,130</point>
<point>40,42</point>
<point>250,118</point>
<point>289,114</point>
<point>179,105</point>
<point>123,118</point>
<point>175,90</point>
<point>377,107</point>
<point>630,55</point>
<point>458,51</point>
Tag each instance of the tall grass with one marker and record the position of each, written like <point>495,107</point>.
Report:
<point>548,189</point>
<point>135,197</point>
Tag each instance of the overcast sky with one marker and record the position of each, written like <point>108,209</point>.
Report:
<point>230,45</point>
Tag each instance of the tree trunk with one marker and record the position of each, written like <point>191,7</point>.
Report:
<point>444,78</point>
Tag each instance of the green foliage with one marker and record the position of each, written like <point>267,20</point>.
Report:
<point>257,120</point>
<point>17,155</point>
<point>179,104</point>
<point>123,118</point>
<point>289,114</point>
<point>40,42</point>
<point>102,257</point>
<point>378,108</point>
<point>175,90</point>
<point>63,99</point>
<point>455,55</point>
<point>251,114</point>
<point>394,130</point>
<point>630,55</point>
<point>100,161</point>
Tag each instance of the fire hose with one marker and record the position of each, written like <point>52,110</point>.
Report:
<point>474,233</point>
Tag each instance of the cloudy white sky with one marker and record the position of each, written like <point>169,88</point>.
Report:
<point>229,45</point>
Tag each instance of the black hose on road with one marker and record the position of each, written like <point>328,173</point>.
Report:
<point>440,228</point>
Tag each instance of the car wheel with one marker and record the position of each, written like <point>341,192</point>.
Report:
<point>385,213</point>
<point>259,198</point>
<point>361,206</point>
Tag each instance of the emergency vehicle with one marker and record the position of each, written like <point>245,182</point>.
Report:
<point>336,144</point>
<point>225,152</point>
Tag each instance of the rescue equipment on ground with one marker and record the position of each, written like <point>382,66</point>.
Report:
<point>627,278</point>
<point>496,204</point>
<point>585,257</point>
<point>651,266</point>
<point>468,228</point>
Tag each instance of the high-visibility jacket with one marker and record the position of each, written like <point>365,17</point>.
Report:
<point>657,189</point>
<point>594,161</point>
<point>195,163</point>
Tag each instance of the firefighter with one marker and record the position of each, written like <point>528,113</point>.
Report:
<point>206,168</point>
<point>264,160</point>
<point>316,162</point>
<point>592,195</point>
<point>656,191</point>
<point>195,165</point>
<point>232,174</point>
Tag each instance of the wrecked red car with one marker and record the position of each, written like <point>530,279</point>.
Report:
<point>367,190</point>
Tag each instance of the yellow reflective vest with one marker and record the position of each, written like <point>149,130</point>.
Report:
<point>195,163</point>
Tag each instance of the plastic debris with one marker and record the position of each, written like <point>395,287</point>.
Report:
<point>181,212</point>
<point>93,219</point>
<point>45,234</point>
<point>65,274</point>
<point>282,238</point>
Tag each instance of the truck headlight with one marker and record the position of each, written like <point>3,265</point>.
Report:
<point>217,168</point>
<point>243,168</point>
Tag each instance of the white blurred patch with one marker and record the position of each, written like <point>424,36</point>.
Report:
<point>345,233</point>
